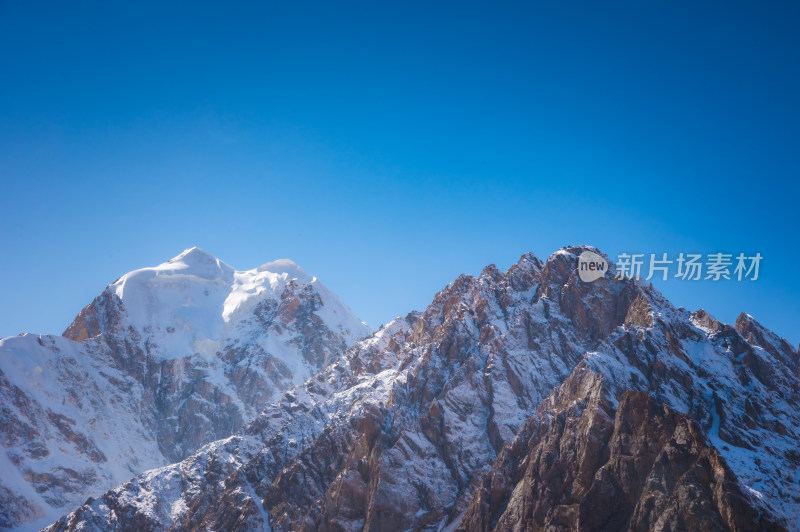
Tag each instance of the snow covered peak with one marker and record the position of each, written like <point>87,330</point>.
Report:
<point>195,302</point>
<point>192,264</point>
<point>164,360</point>
<point>195,261</point>
<point>289,268</point>
<point>193,253</point>
<point>574,251</point>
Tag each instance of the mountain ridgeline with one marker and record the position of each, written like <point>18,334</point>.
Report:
<point>518,400</point>
<point>165,360</point>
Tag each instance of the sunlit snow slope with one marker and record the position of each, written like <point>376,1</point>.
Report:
<point>164,360</point>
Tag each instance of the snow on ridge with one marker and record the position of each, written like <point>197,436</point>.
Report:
<point>377,372</point>
<point>166,359</point>
<point>194,301</point>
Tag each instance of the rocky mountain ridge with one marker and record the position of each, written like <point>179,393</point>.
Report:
<point>165,360</point>
<point>457,418</point>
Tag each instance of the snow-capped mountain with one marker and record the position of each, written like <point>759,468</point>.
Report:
<point>524,399</point>
<point>165,360</point>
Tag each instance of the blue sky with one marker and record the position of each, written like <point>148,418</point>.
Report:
<point>388,148</point>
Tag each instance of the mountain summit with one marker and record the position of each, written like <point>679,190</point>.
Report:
<point>166,359</point>
<point>525,399</point>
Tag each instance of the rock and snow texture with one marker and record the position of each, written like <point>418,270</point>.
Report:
<point>165,360</point>
<point>586,462</point>
<point>621,410</point>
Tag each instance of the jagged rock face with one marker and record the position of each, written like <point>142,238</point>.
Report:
<point>584,463</point>
<point>404,430</point>
<point>102,314</point>
<point>165,360</point>
<point>757,335</point>
<point>745,397</point>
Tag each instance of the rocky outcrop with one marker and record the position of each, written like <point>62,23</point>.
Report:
<point>584,463</point>
<point>102,314</point>
<point>758,335</point>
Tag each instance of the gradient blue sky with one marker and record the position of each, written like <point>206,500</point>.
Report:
<point>389,147</point>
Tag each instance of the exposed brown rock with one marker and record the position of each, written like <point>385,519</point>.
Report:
<point>706,320</point>
<point>100,315</point>
<point>579,464</point>
<point>639,313</point>
<point>757,334</point>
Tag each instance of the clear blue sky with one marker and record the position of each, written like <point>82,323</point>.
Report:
<point>389,147</point>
